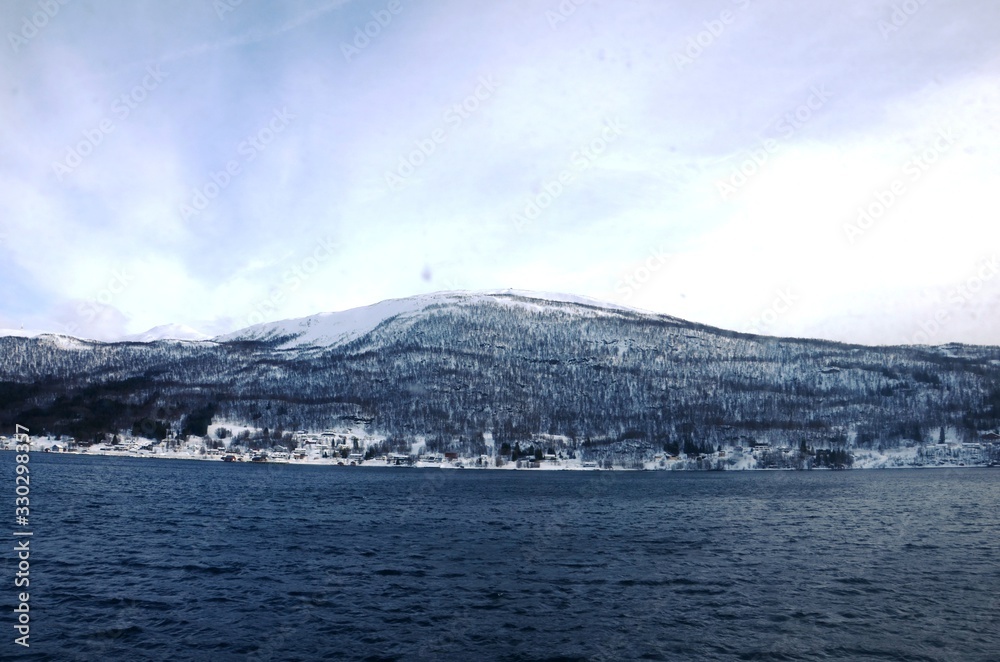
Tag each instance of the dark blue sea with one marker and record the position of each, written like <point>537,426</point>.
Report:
<point>136,559</point>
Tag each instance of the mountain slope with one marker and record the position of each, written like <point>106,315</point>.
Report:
<point>457,367</point>
<point>332,329</point>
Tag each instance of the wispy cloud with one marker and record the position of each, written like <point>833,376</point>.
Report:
<point>802,135</point>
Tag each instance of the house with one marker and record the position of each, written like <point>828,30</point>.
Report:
<point>992,437</point>
<point>399,460</point>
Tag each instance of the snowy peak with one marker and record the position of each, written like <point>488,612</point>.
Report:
<point>331,329</point>
<point>328,329</point>
<point>167,332</point>
<point>336,328</point>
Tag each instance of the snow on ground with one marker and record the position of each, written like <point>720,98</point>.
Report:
<point>555,297</point>
<point>193,450</point>
<point>329,329</point>
<point>900,457</point>
<point>196,448</point>
<point>67,342</point>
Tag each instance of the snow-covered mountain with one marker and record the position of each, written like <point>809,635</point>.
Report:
<point>162,332</point>
<point>335,328</point>
<point>459,367</point>
<point>167,332</point>
<point>338,328</point>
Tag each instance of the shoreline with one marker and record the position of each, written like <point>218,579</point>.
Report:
<point>544,466</point>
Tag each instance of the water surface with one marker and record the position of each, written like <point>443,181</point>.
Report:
<point>137,559</point>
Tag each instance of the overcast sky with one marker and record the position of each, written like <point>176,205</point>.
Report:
<point>221,164</point>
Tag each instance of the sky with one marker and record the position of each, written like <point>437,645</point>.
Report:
<point>824,169</point>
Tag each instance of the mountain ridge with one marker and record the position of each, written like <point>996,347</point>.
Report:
<point>371,315</point>
<point>167,332</point>
<point>320,329</point>
<point>334,328</point>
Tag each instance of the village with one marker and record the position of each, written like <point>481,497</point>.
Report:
<point>350,447</point>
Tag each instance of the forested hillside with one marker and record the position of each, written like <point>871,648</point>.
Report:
<point>455,368</point>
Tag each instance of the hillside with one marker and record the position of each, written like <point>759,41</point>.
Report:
<point>456,367</point>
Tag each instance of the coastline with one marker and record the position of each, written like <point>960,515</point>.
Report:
<point>863,460</point>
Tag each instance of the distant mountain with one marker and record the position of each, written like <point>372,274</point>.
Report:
<point>167,332</point>
<point>23,333</point>
<point>457,368</point>
<point>163,332</point>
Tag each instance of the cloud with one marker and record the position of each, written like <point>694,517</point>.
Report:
<point>656,187</point>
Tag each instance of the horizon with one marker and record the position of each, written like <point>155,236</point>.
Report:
<point>820,171</point>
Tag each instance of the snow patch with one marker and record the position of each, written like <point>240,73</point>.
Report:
<point>67,342</point>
